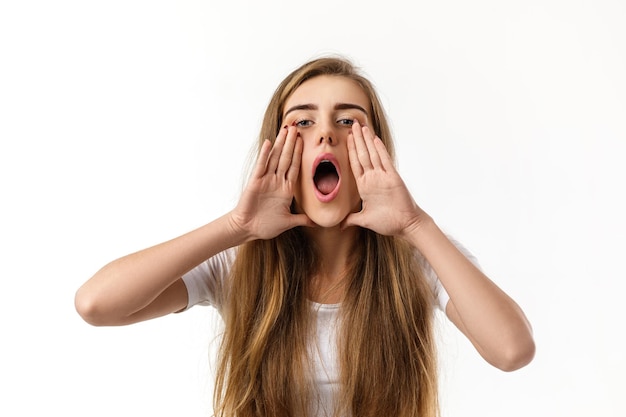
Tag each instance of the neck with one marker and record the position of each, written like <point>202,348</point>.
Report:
<point>334,248</point>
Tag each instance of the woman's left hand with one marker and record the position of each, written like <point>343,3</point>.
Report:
<point>388,208</point>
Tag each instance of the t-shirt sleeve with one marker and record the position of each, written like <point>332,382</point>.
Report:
<point>441,296</point>
<point>205,283</point>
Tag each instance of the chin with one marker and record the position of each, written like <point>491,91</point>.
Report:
<point>328,215</point>
<point>327,223</point>
<point>328,220</point>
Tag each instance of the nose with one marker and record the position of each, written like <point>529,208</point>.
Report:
<point>327,133</point>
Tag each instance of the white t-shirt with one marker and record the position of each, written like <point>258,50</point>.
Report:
<point>204,284</point>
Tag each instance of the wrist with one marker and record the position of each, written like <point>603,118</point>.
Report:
<point>237,233</point>
<point>421,230</point>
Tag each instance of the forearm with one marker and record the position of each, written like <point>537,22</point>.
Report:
<point>491,320</point>
<point>131,283</point>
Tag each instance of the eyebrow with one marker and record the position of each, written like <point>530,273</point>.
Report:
<point>338,106</point>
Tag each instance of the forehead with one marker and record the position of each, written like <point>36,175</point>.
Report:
<point>328,89</point>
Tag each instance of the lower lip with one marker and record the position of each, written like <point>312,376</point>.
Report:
<point>327,198</point>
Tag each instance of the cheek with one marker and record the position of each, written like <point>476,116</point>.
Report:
<point>306,162</point>
<point>304,176</point>
<point>350,184</point>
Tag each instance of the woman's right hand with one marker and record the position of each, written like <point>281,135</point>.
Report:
<point>264,209</point>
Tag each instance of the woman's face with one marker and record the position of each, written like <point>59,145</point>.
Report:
<point>323,109</point>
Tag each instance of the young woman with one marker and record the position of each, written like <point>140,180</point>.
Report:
<point>325,273</point>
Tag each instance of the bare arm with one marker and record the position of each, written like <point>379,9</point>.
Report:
<point>148,283</point>
<point>490,319</point>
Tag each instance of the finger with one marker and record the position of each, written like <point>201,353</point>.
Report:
<point>368,137</point>
<point>361,147</point>
<point>296,159</point>
<point>385,158</point>
<point>261,163</point>
<point>357,169</point>
<point>272,163</point>
<point>286,154</point>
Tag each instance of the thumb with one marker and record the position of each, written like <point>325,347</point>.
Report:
<point>301,220</point>
<point>353,219</point>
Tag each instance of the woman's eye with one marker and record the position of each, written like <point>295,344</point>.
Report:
<point>304,123</point>
<point>346,122</point>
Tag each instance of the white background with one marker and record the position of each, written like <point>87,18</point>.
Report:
<point>126,123</point>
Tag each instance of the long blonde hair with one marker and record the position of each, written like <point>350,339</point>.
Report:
<point>387,360</point>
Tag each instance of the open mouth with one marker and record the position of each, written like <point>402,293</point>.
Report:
<point>326,177</point>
